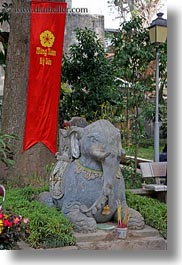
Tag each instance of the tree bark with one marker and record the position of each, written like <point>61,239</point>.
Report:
<point>34,160</point>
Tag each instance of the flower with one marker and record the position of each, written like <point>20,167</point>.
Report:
<point>16,220</point>
<point>20,217</point>
<point>5,216</point>
<point>7,223</point>
<point>12,229</point>
<point>25,220</point>
<point>66,124</point>
<point>47,38</point>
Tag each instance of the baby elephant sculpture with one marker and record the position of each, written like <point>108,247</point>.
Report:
<point>87,176</point>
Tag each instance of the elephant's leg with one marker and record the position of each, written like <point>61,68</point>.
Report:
<point>136,220</point>
<point>79,219</point>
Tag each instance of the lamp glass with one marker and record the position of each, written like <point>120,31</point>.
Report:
<point>161,34</point>
<point>152,34</point>
<point>158,34</point>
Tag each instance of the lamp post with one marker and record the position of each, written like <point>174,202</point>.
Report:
<point>158,34</point>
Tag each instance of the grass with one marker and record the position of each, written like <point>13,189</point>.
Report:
<point>146,152</point>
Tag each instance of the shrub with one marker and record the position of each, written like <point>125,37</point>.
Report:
<point>89,78</point>
<point>153,211</point>
<point>48,227</point>
<point>128,174</point>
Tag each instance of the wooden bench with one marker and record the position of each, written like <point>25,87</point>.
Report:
<point>157,171</point>
<point>2,194</point>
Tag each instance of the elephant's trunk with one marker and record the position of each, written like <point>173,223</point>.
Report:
<point>110,167</point>
<point>101,156</point>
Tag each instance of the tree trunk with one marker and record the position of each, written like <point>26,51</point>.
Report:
<point>33,161</point>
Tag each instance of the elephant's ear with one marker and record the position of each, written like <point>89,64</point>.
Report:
<point>75,134</point>
<point>75,148</point>
<point>64,145</point>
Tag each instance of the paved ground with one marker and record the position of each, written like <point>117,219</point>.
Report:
<point>146,239</point>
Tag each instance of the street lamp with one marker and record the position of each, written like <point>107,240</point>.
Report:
<point>158,34</point>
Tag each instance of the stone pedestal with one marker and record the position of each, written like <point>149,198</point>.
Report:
<point>145,239</point>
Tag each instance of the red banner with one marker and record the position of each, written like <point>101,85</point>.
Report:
<point>46,45</point>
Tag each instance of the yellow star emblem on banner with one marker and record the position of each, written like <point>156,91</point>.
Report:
<point>47,38</point>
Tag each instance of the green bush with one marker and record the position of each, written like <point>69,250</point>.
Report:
<point>130,181</point>
<point>48,226</point>
<point>89,78</point>
<point>153,211</point>
<point>128,173</point>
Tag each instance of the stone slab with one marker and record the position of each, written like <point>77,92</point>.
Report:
<point>145,239</point>
<point>149,243</point>
<point>101,235</point>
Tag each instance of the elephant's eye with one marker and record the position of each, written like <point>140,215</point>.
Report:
<point>93,139</point>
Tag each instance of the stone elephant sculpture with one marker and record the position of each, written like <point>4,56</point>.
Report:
<point>87,177</point>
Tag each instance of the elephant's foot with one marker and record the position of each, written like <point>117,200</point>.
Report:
<point>80,221</point>
<point>136,220</point>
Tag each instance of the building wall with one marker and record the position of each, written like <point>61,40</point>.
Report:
<point>69,3</point>
<point>73,21</point>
